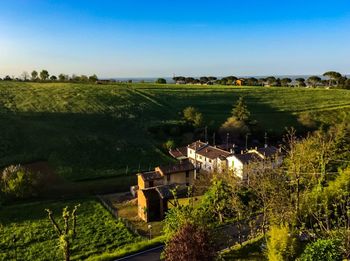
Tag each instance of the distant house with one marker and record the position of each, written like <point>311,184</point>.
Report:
<point>240,82</point>
<point>155,188</point>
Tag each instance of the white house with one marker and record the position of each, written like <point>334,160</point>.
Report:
<point>213,159</point>
<point>206,157</point>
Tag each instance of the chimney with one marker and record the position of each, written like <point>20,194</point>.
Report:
<point>241,151</point>
<point>256,148</point>
<point>231,150</point>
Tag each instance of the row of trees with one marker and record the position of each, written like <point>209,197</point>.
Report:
<point>302,209</point>
<point>45,76</point>
<point>332,79</point>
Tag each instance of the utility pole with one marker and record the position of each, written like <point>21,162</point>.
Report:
<point>227,138</point>
<point>246,141</point>
<point>265,137</point>
<point>206,134</point>
<point>214,139</point>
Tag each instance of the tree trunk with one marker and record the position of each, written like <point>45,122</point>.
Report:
<point>67,252</point>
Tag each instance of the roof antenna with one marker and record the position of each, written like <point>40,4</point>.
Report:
<point>265,137</point>
<point>214,139</point>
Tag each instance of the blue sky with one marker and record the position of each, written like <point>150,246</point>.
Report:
<point>158,38</point>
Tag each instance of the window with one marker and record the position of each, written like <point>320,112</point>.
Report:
<point>151,184</point>
<point>187,174</point>
<point>210,161</point>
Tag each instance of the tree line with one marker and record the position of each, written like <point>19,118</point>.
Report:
<point>44,76</point>
<point>331,79</point>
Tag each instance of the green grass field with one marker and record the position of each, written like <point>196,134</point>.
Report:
<point>97,231</point>
<point>89,131</point>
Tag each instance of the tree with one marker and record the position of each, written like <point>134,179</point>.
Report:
<point>240,111</point>
<point>271,80</point>
<point>271,190</point>
<point>262,81</point>
<point>193,116</point>
<point>217,200</point>
<point>25,76</point>
<point>44,75</point>
<point>189,79</point>
<point>161,81</point>
<point>300,82</point>
<point>190,243</point>
<point>204,79</point>
<point>286,81</point>
<point>53,78</point>
<point>252,81</point>
<point>333,76</point>
<point>7,78</point>
<point>62,77</point>
<point>84,78</point>
<point>93,78</point>
<point>34,75</point>
<point>314,81</point>
<point>17,182</point>
<point>68,233</point>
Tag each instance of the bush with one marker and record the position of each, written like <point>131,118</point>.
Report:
<point>281,244</point>
<point>322,250</point>
<point>16,182</point>
<point>169,144</point>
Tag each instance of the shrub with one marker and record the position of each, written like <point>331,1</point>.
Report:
<point>322,250</point>
<point>281,244</point>
<point>17,182</point>
<point>169,144</point>
<point>190,243</point>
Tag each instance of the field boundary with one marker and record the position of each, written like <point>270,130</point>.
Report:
<point>114,212</point>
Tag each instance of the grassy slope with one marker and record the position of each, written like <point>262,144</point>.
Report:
<point>89,131</point>
<point>97,231</point>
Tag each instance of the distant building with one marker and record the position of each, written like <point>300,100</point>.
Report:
<point>155,188</point>
<point>240,82</point>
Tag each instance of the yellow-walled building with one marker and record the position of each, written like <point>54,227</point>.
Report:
<point>155,188</point>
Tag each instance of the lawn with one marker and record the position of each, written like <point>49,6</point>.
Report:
<point>97,231</point>
<point>89,132</point>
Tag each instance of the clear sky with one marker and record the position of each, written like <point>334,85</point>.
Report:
<point>125,38</point>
